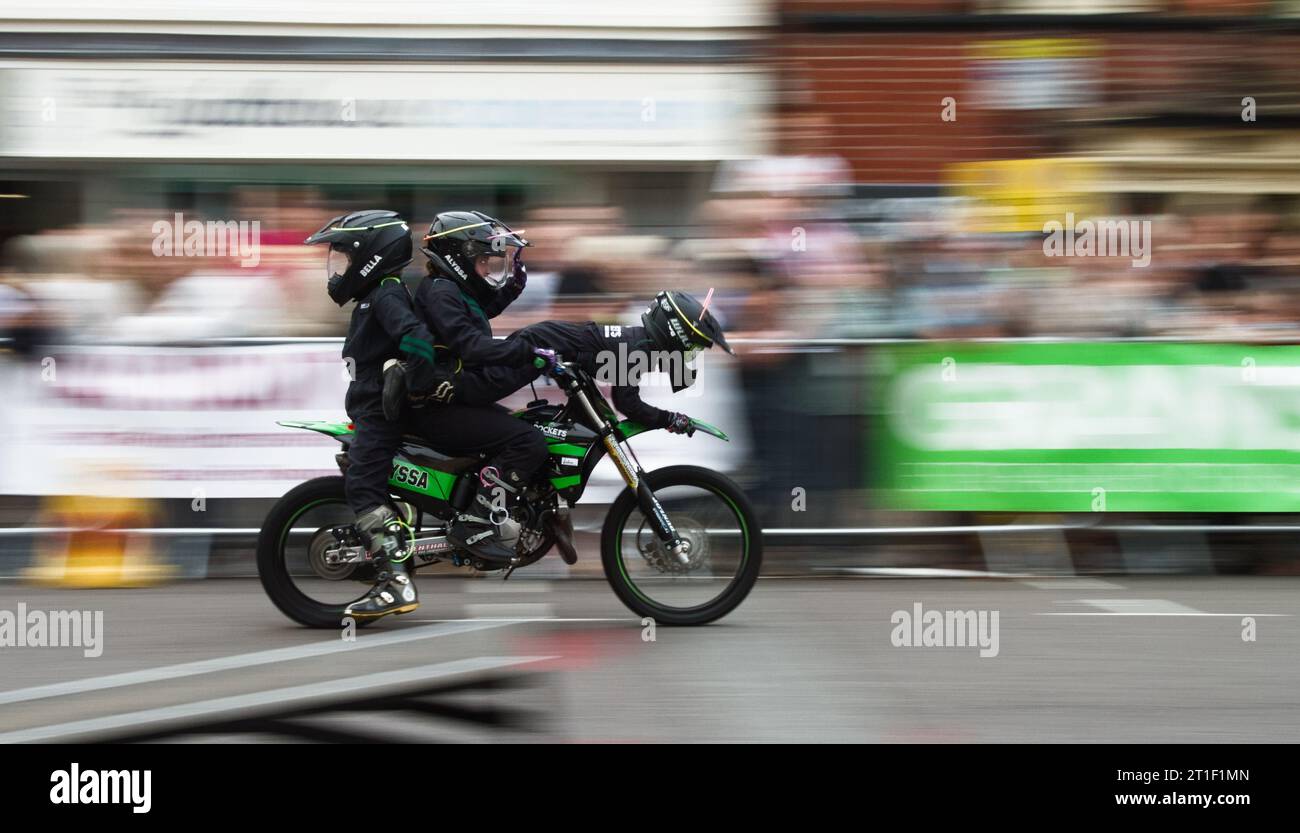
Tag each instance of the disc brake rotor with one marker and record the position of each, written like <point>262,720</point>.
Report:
<point>325,548</point>
<point>695,544</point>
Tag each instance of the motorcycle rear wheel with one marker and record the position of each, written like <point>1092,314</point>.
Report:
<point>275,551</point>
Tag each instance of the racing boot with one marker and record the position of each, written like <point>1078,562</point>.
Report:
<point>485,528</point>
<point>394,591</point>
<point>561,526</point>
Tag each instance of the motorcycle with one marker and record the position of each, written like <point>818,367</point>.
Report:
<point>680,544</point>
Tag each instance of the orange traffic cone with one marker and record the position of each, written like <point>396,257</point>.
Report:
<point>97,550</point>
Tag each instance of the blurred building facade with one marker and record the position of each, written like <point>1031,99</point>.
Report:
<point>889,166</point>
<point>840,171</point>
<point>416,104</point>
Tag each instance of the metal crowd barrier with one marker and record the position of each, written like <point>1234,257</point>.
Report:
<point>823,534</point>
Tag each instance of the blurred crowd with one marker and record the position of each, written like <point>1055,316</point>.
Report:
<point>797,262</point>
<point>791,255</point>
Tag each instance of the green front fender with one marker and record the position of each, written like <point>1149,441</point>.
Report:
<point>627,428</point>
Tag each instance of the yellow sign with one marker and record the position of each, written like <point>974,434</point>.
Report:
<point>1022,49</point>
<point>1020,195</point>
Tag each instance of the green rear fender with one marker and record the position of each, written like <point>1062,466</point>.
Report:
<point>338,430</point>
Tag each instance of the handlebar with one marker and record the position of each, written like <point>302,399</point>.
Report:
<point>560,370</point>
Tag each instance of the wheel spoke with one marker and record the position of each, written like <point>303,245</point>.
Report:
<point>715,548</point>
<point>304,549</point>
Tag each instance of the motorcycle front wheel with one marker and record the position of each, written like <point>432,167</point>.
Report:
<point>721,536</point>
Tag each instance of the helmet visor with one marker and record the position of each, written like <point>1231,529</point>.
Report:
<point>496,267</point>
<point>337,262</point>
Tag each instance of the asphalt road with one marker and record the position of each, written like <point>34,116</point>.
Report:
<point>1077,660</point>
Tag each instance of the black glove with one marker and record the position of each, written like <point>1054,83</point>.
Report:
<point>519,278</point>
<point>397,390</point>
<point>394,389</point>
<point>443,392</point>
<point>680,424</point>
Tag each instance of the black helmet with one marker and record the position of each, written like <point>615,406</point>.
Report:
<point>365,248</point>
<point>474,250</point>
<point>678,324</point>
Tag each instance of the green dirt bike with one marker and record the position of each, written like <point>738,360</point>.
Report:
<point>680,544</point>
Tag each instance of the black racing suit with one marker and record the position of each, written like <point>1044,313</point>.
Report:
<point>464,427</point>
<point>384,326</point>
<point>600,349</point>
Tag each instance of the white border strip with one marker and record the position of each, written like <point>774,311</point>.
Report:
<point>250,704</point>
<point>230,663</point>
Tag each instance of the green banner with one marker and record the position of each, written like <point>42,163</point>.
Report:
<point>1087,427</point>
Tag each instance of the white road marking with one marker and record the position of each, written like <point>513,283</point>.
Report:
<point>918,572</point>
<point>1071,584</point>
<point>1144,607</point>
<point>542,619</point>
<point>509,611</point>
<point>1234,615</point>
<point>499,586</point>
<point>243,703</point>
<point>209,666</point>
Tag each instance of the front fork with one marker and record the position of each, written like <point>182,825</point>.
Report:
<point>634,477</point>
